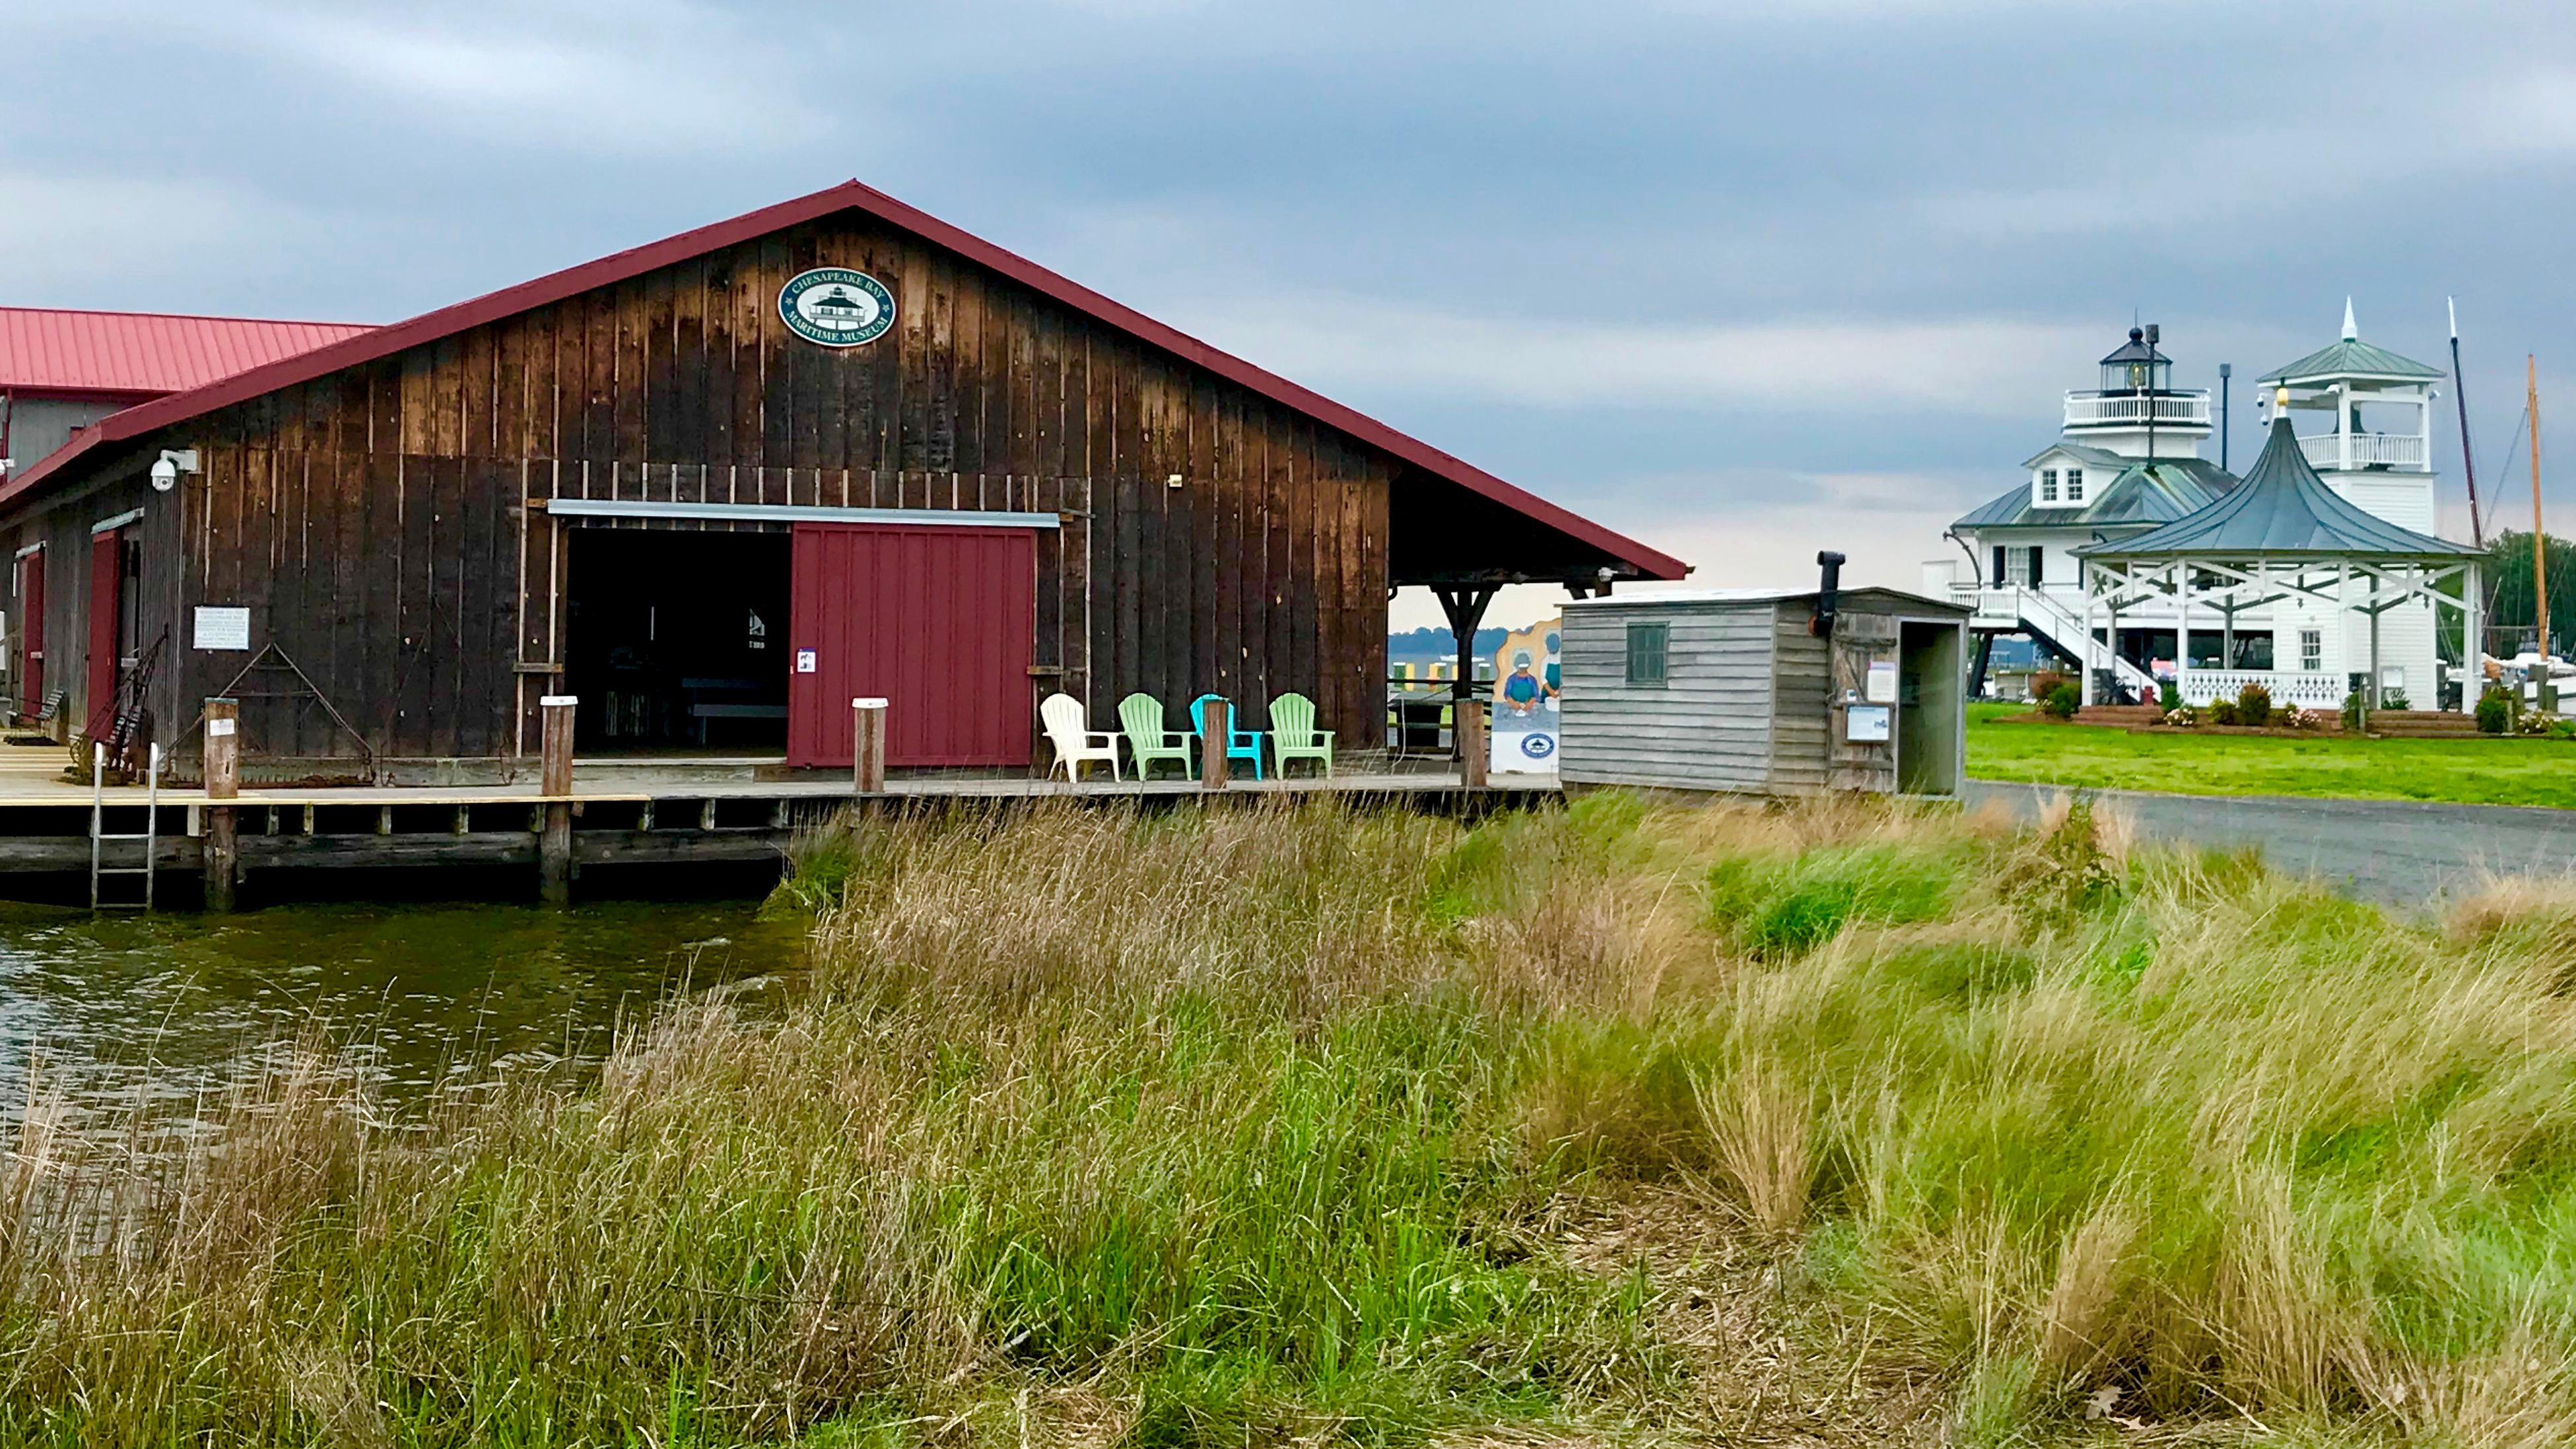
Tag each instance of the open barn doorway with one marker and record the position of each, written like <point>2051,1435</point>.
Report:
<point>678,642</point>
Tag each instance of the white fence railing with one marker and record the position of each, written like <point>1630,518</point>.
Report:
<point>2308,689</point>
<point>2085,409</point>
<point>2363,450</point>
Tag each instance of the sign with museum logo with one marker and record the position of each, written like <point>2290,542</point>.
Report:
<point>836,307</point>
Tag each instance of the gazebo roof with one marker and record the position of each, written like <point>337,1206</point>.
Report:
<point>2282,509</point>
<point>2352,357</point>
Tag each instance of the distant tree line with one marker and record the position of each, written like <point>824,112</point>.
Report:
<point>2507,573</point>
<point>1438,643</point>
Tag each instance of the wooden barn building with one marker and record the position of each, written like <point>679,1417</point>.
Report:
<point>719,485</point>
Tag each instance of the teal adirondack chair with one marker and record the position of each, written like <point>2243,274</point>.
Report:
<point>1239,744</point>
<point>1293,735</point>
<point>1147,741</point>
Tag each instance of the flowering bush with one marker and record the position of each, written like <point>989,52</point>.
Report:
<point>2305,719</point>
<point>2534,723</point>
<point>2183,716</point>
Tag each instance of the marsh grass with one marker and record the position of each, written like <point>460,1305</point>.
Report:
<point>1097,1127</point>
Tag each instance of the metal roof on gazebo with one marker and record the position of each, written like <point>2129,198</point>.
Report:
<point>2282,509</point>
<point>2352,358</point>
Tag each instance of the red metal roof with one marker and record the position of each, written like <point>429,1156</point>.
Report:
<point>141,354</point>
<point>374,343</point>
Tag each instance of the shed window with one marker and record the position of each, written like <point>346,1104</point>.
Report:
<point>1646,652</point>
<point>2074,485</point>
<point>2048,485</point>
<point>2312,650</point>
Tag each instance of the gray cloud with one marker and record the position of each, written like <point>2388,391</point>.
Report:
<point>1693,267</point>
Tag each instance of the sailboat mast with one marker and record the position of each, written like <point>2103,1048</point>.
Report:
<point>2539,540</point>
<point>2460,395</point>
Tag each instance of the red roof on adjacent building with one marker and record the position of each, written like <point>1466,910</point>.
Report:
<point>140,354</point>
<point>361,345</point>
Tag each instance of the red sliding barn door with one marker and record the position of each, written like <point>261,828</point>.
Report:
<point>31,632</point>
<point>941,622</point>
<point>106,586</point>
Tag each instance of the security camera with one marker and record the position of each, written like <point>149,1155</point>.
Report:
<point>174,461</point>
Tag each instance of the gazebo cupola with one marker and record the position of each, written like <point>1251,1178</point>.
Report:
<point>2138,412</point>
<point>2380,406</point>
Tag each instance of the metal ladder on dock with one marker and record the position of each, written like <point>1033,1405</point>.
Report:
<point>99,839</point>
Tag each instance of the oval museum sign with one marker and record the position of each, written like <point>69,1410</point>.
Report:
<point>836,307</point>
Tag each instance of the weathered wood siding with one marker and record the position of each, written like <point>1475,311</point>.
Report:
<point>1802,725</point>
<point>378,522</point>
<point>1709,727</point>
<point>61,523</point>
<point>1868,765</point>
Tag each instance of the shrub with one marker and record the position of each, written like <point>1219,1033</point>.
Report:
<point>2044,682</point>
<point>2393,699</point>
<point>2495,711</point>
<point>2182,716</point>
<point>2169,698</point>
<point>2253,705</point>
<point>2222,712</point>
<point>2536,724</point>
<point>2062,701</point>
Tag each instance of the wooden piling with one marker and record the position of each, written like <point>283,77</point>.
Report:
<point>1216,731</point>
<point>868,756</point>
<point>554,843</point>
<point>1469,713</point>
<point>223,782</point>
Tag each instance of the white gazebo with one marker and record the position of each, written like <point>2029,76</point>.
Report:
<point>2280,539</point>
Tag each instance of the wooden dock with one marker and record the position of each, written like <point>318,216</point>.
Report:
<point>290,839</point>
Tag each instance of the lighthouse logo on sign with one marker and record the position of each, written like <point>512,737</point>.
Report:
<point>836,307</point>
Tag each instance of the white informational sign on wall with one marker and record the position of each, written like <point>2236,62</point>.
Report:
<point>222,629</point>
<point>1882,681</point>
<point>1865,722</point>
<point>805,661</point>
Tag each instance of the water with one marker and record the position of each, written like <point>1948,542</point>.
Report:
<point>427,997</point>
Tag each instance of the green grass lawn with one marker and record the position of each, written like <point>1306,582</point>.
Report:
<point>2471,772</point>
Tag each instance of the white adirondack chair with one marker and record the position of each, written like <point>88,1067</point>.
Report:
<point>1074,745</point>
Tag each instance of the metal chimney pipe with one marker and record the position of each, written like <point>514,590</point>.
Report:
<point>1823,623</point>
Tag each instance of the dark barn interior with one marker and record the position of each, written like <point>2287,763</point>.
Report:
<point>677,641</point>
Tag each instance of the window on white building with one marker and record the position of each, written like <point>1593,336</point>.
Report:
<point>2017,566</point>
<point>2048,485</point>
<point>2312,650</point>
<point>2074,485</point>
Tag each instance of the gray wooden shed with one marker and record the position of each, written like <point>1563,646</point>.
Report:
<point>1765,691</point>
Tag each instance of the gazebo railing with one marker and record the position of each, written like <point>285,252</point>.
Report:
<point>2306,688</point>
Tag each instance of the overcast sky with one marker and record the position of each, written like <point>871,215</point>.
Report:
<point>1742,280</point>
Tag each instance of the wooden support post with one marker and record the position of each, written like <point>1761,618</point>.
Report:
<point>867,759</point>
<point>1472,750</point>
<point>554,846</point>
<point>1216,731</point>
<point>223,782</point>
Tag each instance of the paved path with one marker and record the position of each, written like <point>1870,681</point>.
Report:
<point>2394,852</point>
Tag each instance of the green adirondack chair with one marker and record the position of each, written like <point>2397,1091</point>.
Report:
<point>1293,735</point>
<point>1141,715</point>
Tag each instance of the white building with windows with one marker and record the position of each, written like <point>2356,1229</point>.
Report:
<point>2333,567</point>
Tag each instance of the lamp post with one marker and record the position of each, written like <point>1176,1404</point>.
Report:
<point>2225,371</point>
